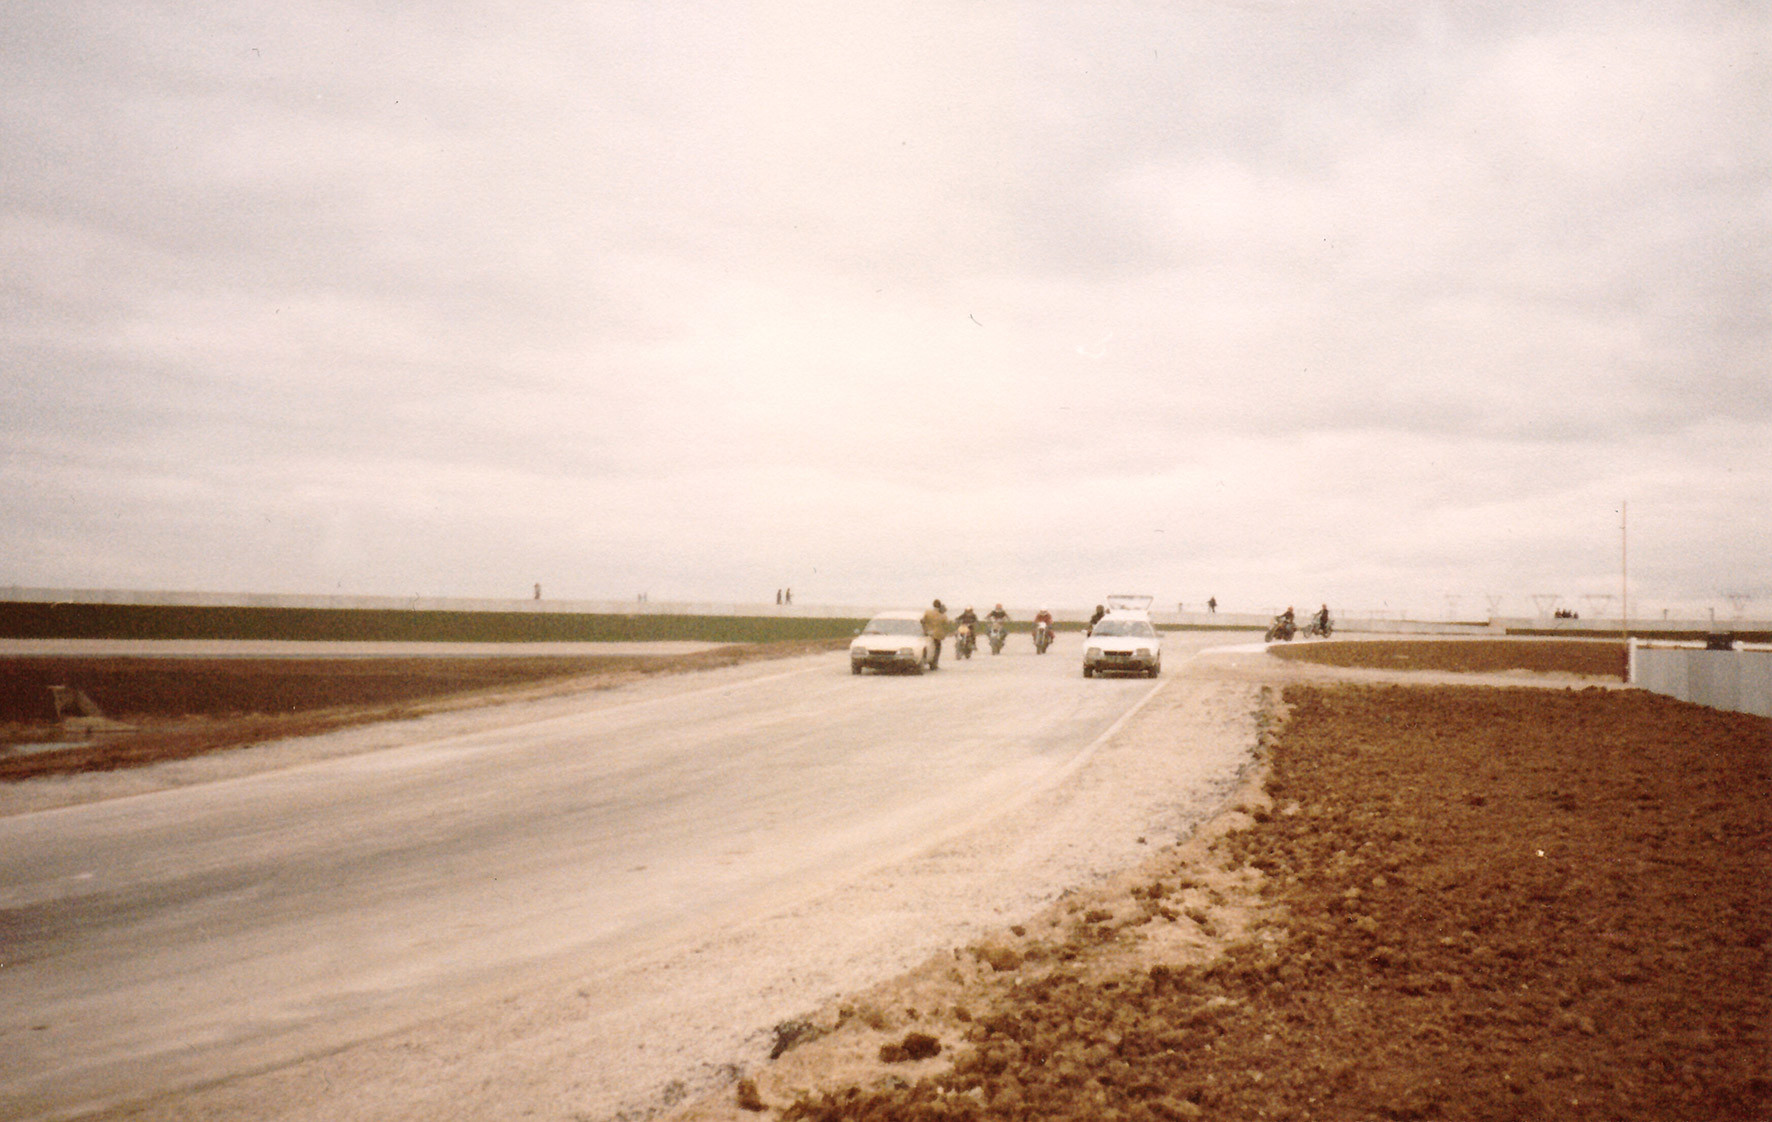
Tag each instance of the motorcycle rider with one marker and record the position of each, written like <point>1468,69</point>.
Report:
<point>1322,621</point>
<point>1095,619</point>
<point>999,627</point>
<point>935,625</point>
<point>967,619</point>
<point>1042,618</point>
<point>1283,627</point>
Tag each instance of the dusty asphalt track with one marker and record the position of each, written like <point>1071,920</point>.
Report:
<point>583,907</point>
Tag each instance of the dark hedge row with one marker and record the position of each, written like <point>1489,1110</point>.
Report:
<point>154,621</point>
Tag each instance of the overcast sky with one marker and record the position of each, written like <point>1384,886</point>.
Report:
<point>1374,303</point>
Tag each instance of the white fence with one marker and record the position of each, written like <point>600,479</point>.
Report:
<point>1738,680</point>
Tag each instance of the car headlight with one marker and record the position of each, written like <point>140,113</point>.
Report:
<point>1091,652</point>
<point>907,652</point>
<point>1144,652</point>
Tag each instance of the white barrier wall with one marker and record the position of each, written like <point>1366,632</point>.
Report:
<point>1739,680</point>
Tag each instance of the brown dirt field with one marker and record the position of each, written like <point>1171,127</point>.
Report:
<point>1436,902</point>
<point>1593,657</point>
<point>185,707</point>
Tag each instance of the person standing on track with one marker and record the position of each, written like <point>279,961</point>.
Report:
<point>935,625</point>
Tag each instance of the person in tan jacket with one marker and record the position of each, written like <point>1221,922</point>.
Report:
<point>935,625</point>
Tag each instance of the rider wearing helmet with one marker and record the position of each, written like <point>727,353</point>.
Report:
<point>966,630</point>
<point>998,619</point>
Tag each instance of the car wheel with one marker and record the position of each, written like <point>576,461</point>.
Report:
<point>1154,671</point>
<point>1088,671</point>
<point>855,668</point>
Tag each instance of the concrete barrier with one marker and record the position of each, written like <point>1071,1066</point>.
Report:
<point>1738,680</point>
<point>1748,630</point>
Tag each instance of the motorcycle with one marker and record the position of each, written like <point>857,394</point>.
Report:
<point>1042,637</point>
<point>996,635</point>
<point>1318,628</point>
<point>965,642</point>
<point>1281,629</point>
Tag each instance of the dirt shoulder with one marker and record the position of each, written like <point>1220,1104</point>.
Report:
<point>1436,901</point>
<point>1596,658</point>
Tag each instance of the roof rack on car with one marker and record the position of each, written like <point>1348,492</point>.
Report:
<point>1129,603</point>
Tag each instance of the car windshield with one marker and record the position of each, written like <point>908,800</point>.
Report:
<point>1129,628</point>
<point>893,627</point>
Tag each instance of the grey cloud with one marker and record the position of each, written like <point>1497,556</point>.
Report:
<point>647,267</point>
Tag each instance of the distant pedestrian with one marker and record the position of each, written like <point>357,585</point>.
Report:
<point>1212,605</point>
<point>790,595</point>
<point>778,596</point>
<point>538,592</point>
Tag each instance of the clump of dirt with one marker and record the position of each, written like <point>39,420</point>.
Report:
<point>915,1046</point>
<point>188,707</point>
<point>1599,658</point>
<point>748,1097</point>
<point>1452,903</point>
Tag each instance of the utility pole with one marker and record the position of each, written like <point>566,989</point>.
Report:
<point>1624,582</point>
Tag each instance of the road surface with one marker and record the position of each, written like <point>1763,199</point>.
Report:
<point>222,946</point>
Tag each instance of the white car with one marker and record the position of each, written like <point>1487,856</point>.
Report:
<point>892,641</point>
<point>1123,642</point>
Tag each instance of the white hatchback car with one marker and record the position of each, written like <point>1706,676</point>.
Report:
<point>892,641</point>
<point>1124,641</point>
